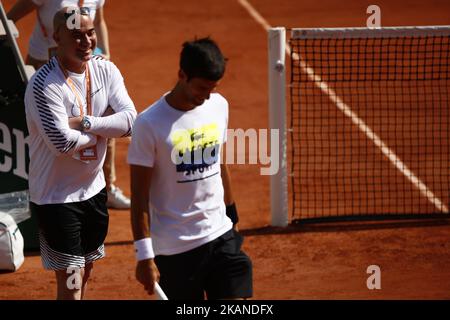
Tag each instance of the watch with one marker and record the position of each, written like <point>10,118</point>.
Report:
<point>85,124</point>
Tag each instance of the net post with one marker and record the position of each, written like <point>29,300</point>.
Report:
<point>277,121</point>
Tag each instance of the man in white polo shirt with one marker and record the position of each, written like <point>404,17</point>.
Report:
<point>180,187</point>
<point>69,121</point>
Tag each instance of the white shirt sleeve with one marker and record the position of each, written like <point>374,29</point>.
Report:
<point>119,124</point>
<point>142,149</point>
<point>46,107</point>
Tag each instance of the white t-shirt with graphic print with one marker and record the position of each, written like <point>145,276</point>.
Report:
<point>39,44</point>
<point>186,193</point>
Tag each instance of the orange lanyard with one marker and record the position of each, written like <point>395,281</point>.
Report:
<point>41,24</point>
<point>69,81</point>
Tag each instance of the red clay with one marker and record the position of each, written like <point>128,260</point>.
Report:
<point>322,261</point>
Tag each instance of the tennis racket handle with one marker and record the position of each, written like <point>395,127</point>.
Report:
<point>159,292</point>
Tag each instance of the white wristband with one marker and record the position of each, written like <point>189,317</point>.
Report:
<point>144,249</point>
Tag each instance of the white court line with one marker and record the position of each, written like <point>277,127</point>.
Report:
<point>341,105</point>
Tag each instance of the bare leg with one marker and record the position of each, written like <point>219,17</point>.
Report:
<point>71,288</point>
<point>69,284</point>
<point>109,168</point>
<point>87,273</point>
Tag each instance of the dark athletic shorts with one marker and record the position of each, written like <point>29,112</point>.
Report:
<point>72,234</point>
<point>218,268</point>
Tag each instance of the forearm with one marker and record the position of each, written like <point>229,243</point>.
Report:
<point>146,271</point>
<point>64,140</point>
<point>140,216</point>
<point>59,132</point>
<point>139,219</point>
<point>74,141</point>
<point>85,140</point>
<point>21,9</point>
<point>113,126</point>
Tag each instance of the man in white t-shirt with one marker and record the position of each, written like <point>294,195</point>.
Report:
<point>42,47</point>
<point>179,186</point>
<point>73,104</point>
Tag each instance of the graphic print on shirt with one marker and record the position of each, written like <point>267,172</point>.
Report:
<point>196,151</point>
<point>75,110</point>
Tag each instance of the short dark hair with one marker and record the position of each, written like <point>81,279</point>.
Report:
<point>202,58</point>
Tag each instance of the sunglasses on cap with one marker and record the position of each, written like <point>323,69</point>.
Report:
<point>84,11</point>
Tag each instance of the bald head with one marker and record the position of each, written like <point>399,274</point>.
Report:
<point>69,18</point>
<point>74,33</point>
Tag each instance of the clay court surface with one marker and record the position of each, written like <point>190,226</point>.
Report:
<point>319,261</point>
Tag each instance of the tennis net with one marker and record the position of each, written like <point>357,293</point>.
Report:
<point>369,121</point>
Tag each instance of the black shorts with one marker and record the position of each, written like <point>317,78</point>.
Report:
<point>72,234</point>
<point>219,268</point>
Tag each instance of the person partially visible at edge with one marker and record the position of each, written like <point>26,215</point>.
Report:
<point>42,47</point>
<point>182,207</point>
<point>73,103</point>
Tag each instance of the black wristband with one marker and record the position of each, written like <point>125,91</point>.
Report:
<point>232,213</point>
